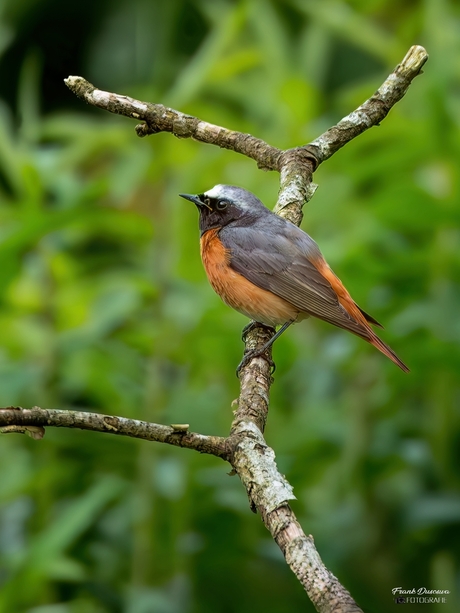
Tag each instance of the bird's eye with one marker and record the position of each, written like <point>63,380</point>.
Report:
<point>221,205</point>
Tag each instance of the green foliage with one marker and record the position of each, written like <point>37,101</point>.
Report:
<point>104,306</point>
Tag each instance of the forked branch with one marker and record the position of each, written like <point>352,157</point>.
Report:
<point>245,448</point>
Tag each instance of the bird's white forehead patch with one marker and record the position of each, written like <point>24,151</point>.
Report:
<point>218,191</point>
<point>238,195</point>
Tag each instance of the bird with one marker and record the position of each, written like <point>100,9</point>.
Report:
<point>270,270</point>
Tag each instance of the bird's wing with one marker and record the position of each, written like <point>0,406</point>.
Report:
<point>281,258</point>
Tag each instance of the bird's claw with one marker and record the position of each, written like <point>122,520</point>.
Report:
<point>250,326</point>
<point>256,353</point>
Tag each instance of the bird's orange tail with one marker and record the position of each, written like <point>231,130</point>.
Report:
<point>386,350</point>
<point>361,317</point>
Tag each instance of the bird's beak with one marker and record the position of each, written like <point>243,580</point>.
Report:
<point>195,199</point>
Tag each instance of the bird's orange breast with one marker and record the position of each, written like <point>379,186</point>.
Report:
<point>237,291</point>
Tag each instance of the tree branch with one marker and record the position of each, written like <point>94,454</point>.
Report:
<point>17,419</point>
<point>245,447</point>
<point>375,109</point>
<point>269,492</point>
<point>250,457</point>
<point>160,118</point>
<point>295,165</point>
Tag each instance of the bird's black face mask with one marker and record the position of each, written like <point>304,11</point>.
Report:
<point>214,212</point>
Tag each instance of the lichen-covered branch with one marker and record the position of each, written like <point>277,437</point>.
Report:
<point>245,448</point>
<point>269,493</point>
<point>160,118</point>
<point>295,166</point>
<point>374,110</point>
<point>251,458</point>
<point>324,589</point>
<point>17,419</point>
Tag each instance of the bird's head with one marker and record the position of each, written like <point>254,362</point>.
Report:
<point>223,204</point>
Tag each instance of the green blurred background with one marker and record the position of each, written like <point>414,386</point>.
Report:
<point>105,306</point>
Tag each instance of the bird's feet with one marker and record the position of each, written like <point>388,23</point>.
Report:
<point>256,353</point>
<point>251,325</point>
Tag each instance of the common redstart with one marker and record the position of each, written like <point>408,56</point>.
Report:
<point>270,270</point>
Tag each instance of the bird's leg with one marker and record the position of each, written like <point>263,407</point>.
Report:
<point>258,352</point>
<point>252,353</point>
